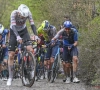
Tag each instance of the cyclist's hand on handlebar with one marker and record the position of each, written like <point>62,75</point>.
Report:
<point>44,46</point>
<point>70,47</point>
<point>19,39</point>
<point>4,46</point>
<point>52,42</point>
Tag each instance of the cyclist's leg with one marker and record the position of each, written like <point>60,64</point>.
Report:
<point>0,66</point>
<point>11,48</point>
<point>5,62</point>
<point>47,61</point>
<point>1,59</point>
<point>54,53</point>
<point>66,64</point>
<point>54,62</point>
<point>5,59</point>
<point>47,58</point>
<point>25,35</point>
<point>42,65</point>
<point>75,63</point>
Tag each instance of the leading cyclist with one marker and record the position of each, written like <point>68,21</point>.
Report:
<point>18,31</point>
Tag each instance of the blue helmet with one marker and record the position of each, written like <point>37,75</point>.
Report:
<point>6,31</point>
<point>67,24</point>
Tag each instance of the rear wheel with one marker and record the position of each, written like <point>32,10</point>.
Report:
<point>28,69</point>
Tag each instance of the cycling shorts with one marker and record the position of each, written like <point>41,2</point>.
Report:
<point>51,52</point>
<point>13,42</point>
<point>68,55</point>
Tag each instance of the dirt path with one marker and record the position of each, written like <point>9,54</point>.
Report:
<point>44,85</point>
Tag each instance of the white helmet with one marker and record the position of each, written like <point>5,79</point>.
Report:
<point>23,10</point>
<point>1,28</point>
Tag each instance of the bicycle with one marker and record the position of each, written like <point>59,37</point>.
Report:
<point>40,63</point>
<point>17,63</point>
<point>55,67</point>
<point>28,67</point>
<point>53,72</point>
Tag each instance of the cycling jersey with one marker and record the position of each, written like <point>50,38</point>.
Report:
<point>47,35</point>
<point>67,39</point>
<point>20,23</point>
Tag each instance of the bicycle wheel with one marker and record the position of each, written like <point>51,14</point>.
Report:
<point>28,69</point>
<point>54,70</point>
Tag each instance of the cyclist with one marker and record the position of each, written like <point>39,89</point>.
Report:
<point>18,31</point>
<point>70,41</point>
<point>48,32</point>
<point>3,50</point>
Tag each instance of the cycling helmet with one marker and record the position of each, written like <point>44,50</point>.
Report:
<point>67,24</point>
<point>45,25</point>
<point>6,31</point>
<point>1,28</point>
<point>23,10</point>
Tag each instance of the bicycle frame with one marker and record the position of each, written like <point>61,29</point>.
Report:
<point>56,59</point>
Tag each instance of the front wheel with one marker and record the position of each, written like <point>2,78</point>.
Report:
<point>28,69</point>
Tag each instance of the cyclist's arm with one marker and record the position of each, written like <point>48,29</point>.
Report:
<point>34,29</point>
<point>3,41</point>
<point>54,31</point>
<point>13,23</point>
<point>75,39</point>
<point>15,31</point>
<point>58,34</point>
<point>32,24</point>
<point>8,35</point>
<point>36,38</point>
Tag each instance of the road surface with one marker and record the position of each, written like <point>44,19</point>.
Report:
<point>45,85</point>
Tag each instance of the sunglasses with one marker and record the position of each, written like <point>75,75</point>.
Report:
<point>67,28</point>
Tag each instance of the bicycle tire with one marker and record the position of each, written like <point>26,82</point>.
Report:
<point>26,69</point>
<point>54,70</point>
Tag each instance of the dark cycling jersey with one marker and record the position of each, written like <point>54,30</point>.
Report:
<point>47,35</point>
<point>67,39</point>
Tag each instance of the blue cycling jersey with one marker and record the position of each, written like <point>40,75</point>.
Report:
<point>70,39</point>
<point>67,39</point>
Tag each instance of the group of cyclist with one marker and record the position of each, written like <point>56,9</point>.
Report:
<point>47,34</point>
